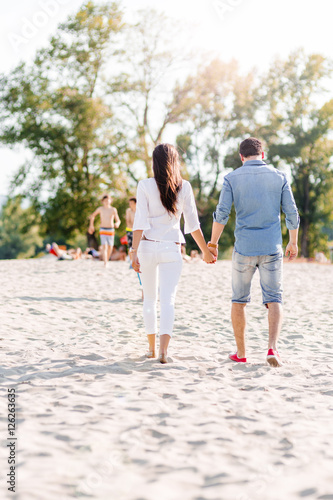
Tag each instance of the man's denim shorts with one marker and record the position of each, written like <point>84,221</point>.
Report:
<point>270,271</point>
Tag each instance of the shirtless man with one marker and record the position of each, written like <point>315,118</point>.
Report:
<point>109,220</point>
<point>130,213</point>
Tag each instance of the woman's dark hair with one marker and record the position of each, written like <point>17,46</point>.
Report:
<point>167,175</point>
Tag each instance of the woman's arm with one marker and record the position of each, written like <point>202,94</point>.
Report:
<point>140,224</point>
<point>192,224</point>
<point>137,235</point>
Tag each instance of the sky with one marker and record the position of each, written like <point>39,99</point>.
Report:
<point>252,31</point>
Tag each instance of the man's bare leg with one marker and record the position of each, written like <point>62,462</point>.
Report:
<point>238,319</point>
<point>275,316</point>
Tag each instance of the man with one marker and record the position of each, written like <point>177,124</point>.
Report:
<point>258,191</point>
<point>130,214</point>
<point>109,220</point>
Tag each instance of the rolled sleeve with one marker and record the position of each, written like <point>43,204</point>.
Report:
<point>141,221</point>
<point>289,207</point>
<point>190,210</point>
<point>221,215</point>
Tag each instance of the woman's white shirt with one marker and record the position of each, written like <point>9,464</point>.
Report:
<point>153,218</point>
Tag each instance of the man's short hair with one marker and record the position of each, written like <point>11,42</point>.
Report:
<point>250,147</point>
<point>132,199</point>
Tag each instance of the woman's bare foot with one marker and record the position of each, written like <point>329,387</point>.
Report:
<point>150,354</point>
<point>163,358</point>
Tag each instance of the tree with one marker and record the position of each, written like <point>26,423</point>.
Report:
<point>19,235</point>
<point>222,111</point>
<point>148,96</point>
<point>55,108</point>
<point>297,130</point>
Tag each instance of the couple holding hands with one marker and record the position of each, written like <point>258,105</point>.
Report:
<point>258,192</point>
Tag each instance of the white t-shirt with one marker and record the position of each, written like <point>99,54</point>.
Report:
<point>153,218</point>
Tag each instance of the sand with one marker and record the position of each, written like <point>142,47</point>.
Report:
<point>97,420</point>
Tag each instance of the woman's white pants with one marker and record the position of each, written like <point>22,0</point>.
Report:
<point>163,258</point>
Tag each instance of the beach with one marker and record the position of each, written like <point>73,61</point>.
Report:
<point>95,419</point>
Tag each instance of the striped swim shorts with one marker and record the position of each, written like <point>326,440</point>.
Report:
<point>107,236</point>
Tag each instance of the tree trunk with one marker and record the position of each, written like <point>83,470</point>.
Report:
<point>148,163</point>
<point>305,237</point>
<point>305,223</point>
<point>217,174</point>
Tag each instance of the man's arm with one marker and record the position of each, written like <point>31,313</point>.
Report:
<point>116,218</point>
<point>292,219</point>
<point>292,248</point>
<point>217,230</point>
<point>221,215</point>
<point>92,218</point>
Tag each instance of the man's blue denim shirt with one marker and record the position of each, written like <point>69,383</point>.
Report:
<point>258,192</point>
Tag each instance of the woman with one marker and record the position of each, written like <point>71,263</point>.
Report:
<point>157,239</point>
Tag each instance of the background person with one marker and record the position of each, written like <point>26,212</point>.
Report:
<point>119,253</point>
<point>109,221</point>
<point>71,254</point>
<point>130,214</point>
<point>185,257</point>
<point>91,253</point>
<point>157,239</point>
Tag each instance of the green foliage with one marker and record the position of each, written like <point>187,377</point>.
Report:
<point>298,131</point>
<point>55,108</point>
<point>101,96</point>
<point>221,111</point>
<point>147,96</point>
<point>19,236</point>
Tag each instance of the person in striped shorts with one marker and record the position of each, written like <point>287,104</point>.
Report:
<point>109,220</point>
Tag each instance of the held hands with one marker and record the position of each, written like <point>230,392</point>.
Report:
<point>91,229</point>
<point>116,225</point>
<point>210,255</point>
<point>292,250</point>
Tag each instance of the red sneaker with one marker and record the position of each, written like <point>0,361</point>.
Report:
<point>273,358</point>
<point>234,357</point>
